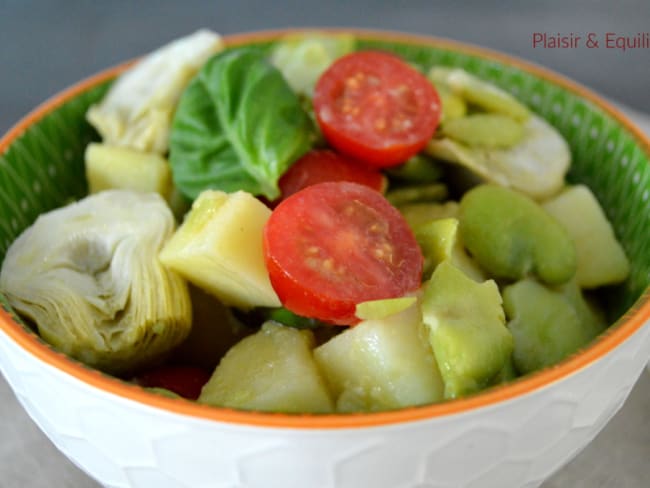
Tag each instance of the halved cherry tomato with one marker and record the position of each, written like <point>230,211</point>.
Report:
<point>185,381</point>
<point>322,165</point>
<point>376,108</point>
<point>335,244</point>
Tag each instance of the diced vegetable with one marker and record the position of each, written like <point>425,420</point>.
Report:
<point>547,325</point>
<point>272,370</point>
<point>219,249</point>
<point>511,236</point>
<point>381,364</point>
<point>109,167</point>
<point>466,326</point>
<point>600,258</point>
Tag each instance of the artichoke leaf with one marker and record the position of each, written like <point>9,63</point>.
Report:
<point>137,110</point>
<point>87,275</point>
<point>536,166</point>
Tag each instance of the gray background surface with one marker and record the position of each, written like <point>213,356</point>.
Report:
<point>47,45</point>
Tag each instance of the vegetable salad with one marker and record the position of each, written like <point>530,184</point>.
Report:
<point>310,227</point>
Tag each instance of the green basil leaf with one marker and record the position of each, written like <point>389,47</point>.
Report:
<point>238,126</point>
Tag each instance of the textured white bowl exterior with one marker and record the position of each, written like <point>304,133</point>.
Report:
<point>517,443</point>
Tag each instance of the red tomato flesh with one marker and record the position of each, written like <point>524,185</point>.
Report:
<point>376,108</point>
<point>186,381</point>
<point>335,244</point>
<point>322,165</point>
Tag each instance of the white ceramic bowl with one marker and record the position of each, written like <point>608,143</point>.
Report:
<point>511,436</point>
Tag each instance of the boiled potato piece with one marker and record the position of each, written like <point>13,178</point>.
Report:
<point>381,364</point>
<point>272,371</point>
<point>600,257</point>
<point>219,249</point>
<point>466,326</point>
<point>511,236</point>
<point>110,167</point>
<point>547,325</point>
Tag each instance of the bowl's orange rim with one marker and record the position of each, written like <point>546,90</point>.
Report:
<point>623,329</point>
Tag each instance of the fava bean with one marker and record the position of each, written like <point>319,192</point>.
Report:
<point>512,237</point>
<point>466,325</point>
<point>423,212</point>
<point>547,325</point>
<point>453,105</point>
<point>420,193</point>
<point>484,95</point>
<point>484,130</point>
<point>439,240</point>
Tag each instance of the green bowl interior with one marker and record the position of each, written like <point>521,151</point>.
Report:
<point>43,168</point>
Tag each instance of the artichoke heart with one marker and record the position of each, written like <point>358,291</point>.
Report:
<point>89,277</point>
<point>536,165</point>
<point>138,109</point>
